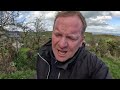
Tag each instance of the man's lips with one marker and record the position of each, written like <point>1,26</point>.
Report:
<point>61,52</point>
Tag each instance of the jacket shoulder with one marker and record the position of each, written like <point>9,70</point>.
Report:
<point>97,68</point>
<point>45,47</point>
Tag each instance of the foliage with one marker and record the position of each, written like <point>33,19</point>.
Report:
<point>25,59</point>
<point>7,54</point>
<point>114,47</point>
<point>106,47</point>
<point>102,48</point>
<point>114,66</point>
<point>28,74</point>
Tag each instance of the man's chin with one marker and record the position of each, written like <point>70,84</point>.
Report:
<point>61,59</point>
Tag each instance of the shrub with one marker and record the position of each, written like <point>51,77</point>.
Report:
<point>114,67</point>
<point>23,62</point>
<point>28,74</point>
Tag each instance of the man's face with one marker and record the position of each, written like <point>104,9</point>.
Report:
<point>66,37</point>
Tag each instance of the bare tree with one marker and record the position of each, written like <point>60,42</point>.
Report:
<point>31,37</point>
<point>7,18</point>
<point>39,27</point>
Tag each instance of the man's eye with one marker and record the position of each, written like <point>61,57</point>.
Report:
<point>72,38</point>
<point>57,34</point>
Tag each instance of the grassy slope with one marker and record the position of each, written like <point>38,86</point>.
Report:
<point>112,63</point>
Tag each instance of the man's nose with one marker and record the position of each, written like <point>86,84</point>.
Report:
<point>63,43</point>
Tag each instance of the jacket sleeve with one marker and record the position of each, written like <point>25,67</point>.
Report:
<point>99,69</point>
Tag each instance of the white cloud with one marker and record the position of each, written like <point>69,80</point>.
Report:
<point>104,29</point>
<point>110,27</point>
<point>96,20</point>
<point>103,17</point>
<point>12,28</point>
<point>46,16</point>
<point>35,13</point>
<point>50,14</point>
<point>115,13</point>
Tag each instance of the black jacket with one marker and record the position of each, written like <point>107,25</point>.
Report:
<point>83,65</point>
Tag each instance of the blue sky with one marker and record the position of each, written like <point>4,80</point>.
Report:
<point>115,21</point>
<point>97,21</point>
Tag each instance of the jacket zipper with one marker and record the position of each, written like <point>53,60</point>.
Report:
<point>58,75</point>
<point>47,64</point>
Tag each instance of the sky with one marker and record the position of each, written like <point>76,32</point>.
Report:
<point>97,21</point>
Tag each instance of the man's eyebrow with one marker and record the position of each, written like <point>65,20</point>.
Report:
<point>73,34</point>
<point>56,31</point>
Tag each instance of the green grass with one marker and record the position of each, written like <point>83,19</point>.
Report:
<point>114,67</point>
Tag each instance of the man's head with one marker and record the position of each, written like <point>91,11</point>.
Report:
<point>68,34</point>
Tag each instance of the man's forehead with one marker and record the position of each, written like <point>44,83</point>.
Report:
<point>71,18</point>
<point>71,22</point>
<point>69,33</point>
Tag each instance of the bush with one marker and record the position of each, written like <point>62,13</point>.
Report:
<point>23,62</point>
<point>114,67</point>
<point>102,48</point>
<point>114,48</point>
<point>28,74</point>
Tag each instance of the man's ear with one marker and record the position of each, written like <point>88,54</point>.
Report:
<point>83,39</point>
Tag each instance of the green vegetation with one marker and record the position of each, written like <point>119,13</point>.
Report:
<point>22,65</point>
<point>114,67</point>
<point>107,47</point>
<point>28,74</point>
<point>25,59</point>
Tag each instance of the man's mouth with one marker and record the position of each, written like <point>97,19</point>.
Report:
<point>62,53</point>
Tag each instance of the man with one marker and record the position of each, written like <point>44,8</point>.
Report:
<point>65,56</point>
